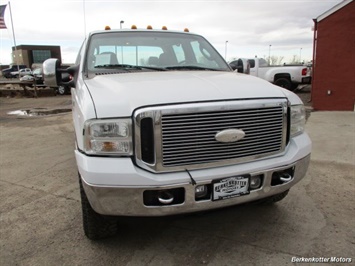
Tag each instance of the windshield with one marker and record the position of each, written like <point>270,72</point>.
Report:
<point>151,51</point>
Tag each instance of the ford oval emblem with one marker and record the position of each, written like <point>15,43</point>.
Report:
<point>229,135</point>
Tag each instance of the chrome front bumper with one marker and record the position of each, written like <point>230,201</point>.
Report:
<point>128,201</point>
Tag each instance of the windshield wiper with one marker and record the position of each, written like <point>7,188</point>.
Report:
<point>191,68</point>
<point>111,66</point>
<point>126,67</point>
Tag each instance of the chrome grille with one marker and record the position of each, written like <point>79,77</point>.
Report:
<point>185,135</point>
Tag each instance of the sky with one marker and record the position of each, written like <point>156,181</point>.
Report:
<point>236,28</point>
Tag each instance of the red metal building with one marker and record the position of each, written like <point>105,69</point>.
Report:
<point>333,84</point>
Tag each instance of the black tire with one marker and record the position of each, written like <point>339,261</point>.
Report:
<point>273,199</point>
<point>284,83</point>
<point>96,226</point>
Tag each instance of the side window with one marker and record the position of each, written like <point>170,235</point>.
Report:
<point>149,55</point>
<point>140,55</point>
<point>108,49</point>
<point>179,53</point>
<point>103,55</point>
<point>251,63</point>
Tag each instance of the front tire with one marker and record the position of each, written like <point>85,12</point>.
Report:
<point>284,83</point>
<point>96,226</point>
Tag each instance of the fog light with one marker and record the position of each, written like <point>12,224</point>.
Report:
<point>255,182</point>
<point>201,191</point>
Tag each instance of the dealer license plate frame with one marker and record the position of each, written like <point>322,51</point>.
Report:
<point>230,187</point>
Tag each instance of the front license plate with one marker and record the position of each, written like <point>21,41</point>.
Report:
<point>230,187</point>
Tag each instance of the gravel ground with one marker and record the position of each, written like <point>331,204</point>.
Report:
<point>41,211</point>
<point>304,92</point>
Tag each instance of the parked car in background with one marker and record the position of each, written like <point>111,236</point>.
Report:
<point>21,73</point>
<point>285,76</point>
<point>7,71</point>
<point>27,78</point>
<point>36,75</point>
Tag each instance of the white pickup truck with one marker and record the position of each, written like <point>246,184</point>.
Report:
<point>286,76</point>
<point>164,126</point>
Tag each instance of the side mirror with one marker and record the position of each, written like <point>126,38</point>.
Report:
<point>251,63</point>
<point>239,66</point>
<point>51,75</point>
<point>234,65</point>
<point>54,76</point>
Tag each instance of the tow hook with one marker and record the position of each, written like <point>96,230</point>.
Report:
<point>165,197</point>
<point>285,178</point>
<point>282,177</point>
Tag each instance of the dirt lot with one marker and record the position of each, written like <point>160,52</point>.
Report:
<point>41,212</point>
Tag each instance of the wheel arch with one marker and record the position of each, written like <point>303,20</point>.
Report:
<point>282,75</point>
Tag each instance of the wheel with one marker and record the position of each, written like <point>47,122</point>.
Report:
<point>62,90</point>
<point>96,226</point>
<point>284,83</point>
<point>274,198</point>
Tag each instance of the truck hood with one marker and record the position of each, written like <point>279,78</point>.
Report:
<point>118,95</point>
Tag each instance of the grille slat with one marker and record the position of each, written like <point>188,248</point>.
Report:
<point>201,144</point>
<point>220,120</point>
<point>220,113</point>
<point>205,158</point>
<point>215,129</point>
<point>221,152</point>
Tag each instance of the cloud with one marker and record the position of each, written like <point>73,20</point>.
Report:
<point>249,26</point>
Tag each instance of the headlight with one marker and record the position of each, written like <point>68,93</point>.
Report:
<point>108,137</point>
<point>298,119</point>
